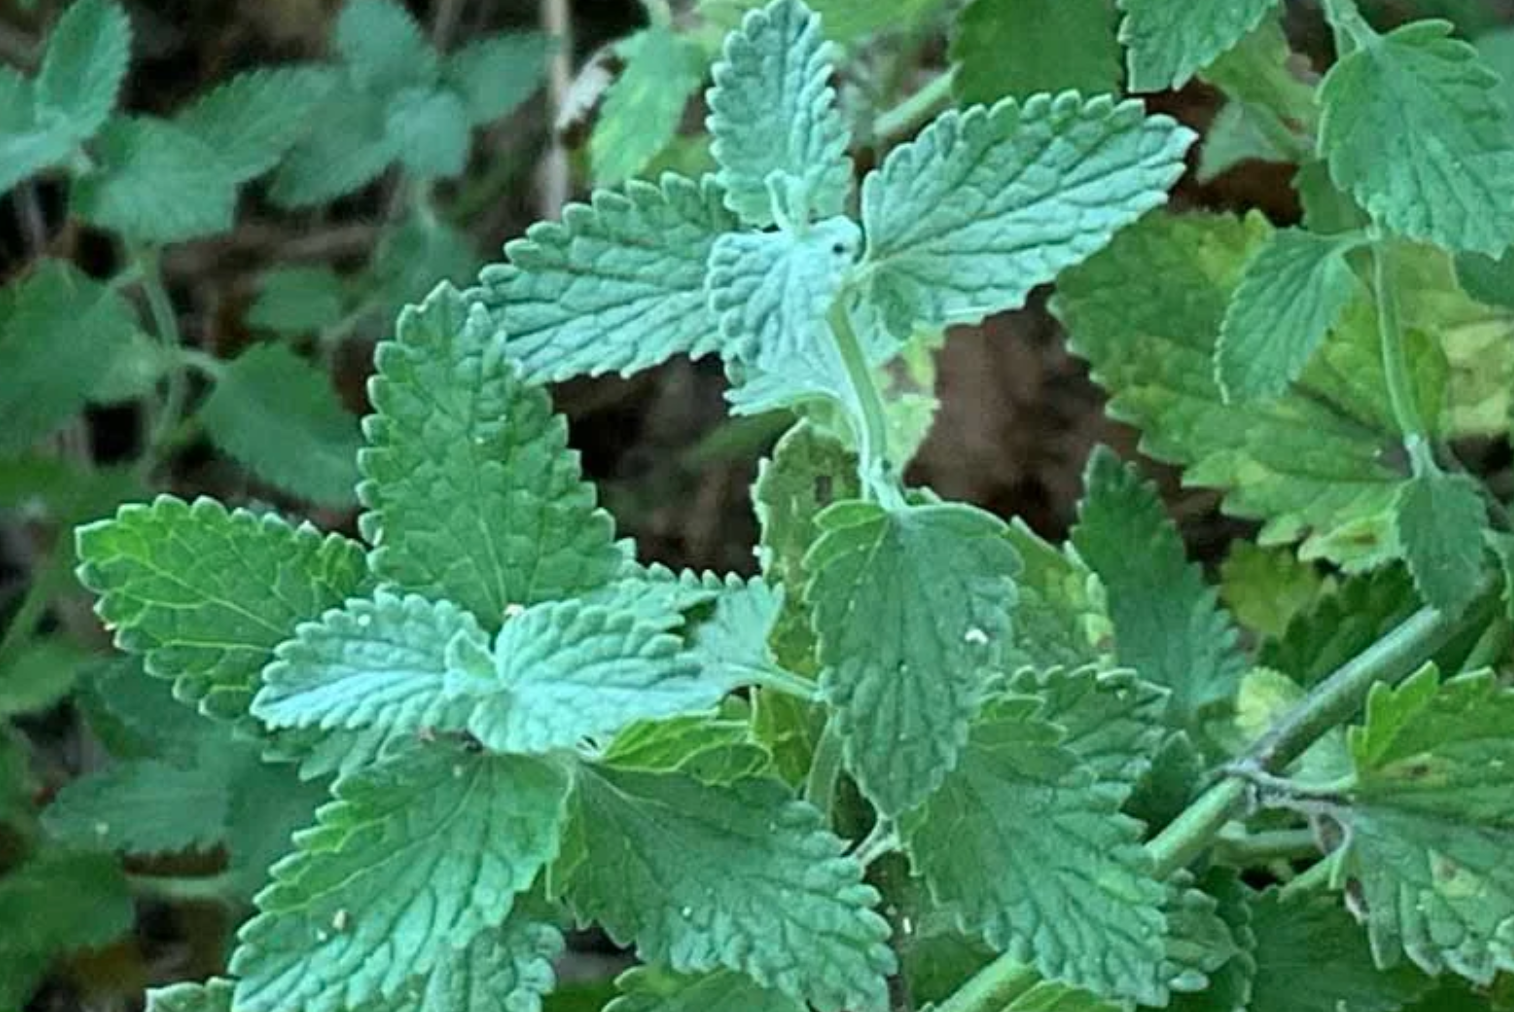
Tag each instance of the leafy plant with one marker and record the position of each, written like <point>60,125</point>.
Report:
<point>926,755</point>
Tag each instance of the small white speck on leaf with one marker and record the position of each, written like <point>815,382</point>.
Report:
<point>975,636</point>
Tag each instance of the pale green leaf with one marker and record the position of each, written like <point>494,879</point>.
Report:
<point>1292,292</point>
<point>429,129</point>
<point>1440,521</point>
<point>383,47</point>
<point>1005,48</point>
<point>1430,824</point>
<point>986,204</point>
<point>813,374</point>
<point>507,969</point>
<point>1051,997</point>
<point>774,118</point>
<point>212,996</point>
<point>156,182</point>
<point>135,368</point>
<point>472,492</point>
<point>59,331</point>
<point>298,300</point>
<point>144,806</point>
<point>642,110</point>
<point>912,608</point>
<point>1110,720</point>
<point>1029,848</point>
<point>1414,130</point>
<point>1234,137</point>
<point>345,149</point>
<point>205,595</point>
<point>84,64</point>
<point>739,876</point>
<point>618,286</point>
<point>1168,624</point>
<point>1062,619</point>
<point>252,119</point>
<point>278,416</point>
<point>27,143</point>
<point>415,859</point>
<point>1168,43</point>
<point>644,989</point>
<point>1265,588</point>
<point>731,645</point>
<point>496,73</point>
<point>715,751</point>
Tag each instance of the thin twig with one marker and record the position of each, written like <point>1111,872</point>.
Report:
<point>557,22</point>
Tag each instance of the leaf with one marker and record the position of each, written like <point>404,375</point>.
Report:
<point>1266,588</point>
<point>849,20</point>
<point>413,258</point>
<point>254,118</point>
<point>1166,45</point>
<point>1440,520</point>
<point>1062,618</point>
<point>1230,984</point>
<point>156,182</point>
<point>731,645</point>
<point>1168,624</point>
<point>1341,625</point>
<point>618,286</point>
<point>212,996</point>
<point>1293,290</point>
<point>27,143</point>
<point>472,492</point>
<point>383,47</point>
<point>345,149</point>
<point>429,129</point>
<point>1311,957</point>
<point>416,858</point>
<point>774,119</point>
<point>740,876</point>
<point>298,300</point>
<point>84,64</point>
<point>1199,940</point>
<point>277,415</point>
<point>145,806</point>
<point>716,751</point>
<point>1026,846</point>
<point>205,595</point>
<point>1021,47</point>
<point>912,608</point>
<point>496,73</point>
<point>986,204</point>
<point>642,110</point>
<point>644,989</point>
<point>1430,826</point>
<point>1414,130</point>
<point>508,969</point>
<point>1110,720</point>
<point>58,333</point>
<point>1235,136</point>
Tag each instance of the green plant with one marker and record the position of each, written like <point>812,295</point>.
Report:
<point>1057,760</point>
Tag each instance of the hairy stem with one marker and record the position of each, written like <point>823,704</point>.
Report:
<point>872,441</point>
<point>1395,365</point>
<point>825,770</point>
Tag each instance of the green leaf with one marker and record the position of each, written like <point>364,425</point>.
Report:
<point>1487,280</point>
<point>384,48</point>
<point>850,20</point>
<point>986,204</point>
<point>472,492</point>
<point>912,608</point>
<point>509,968</point>
<point>17,786</point>
<point>496,73</point>
<point>1168,624</point>
<point>714,751</point>
<point>84,64</point>
<point>429,129</point>
<point>1199,940</point>
<point>298,300</point>
<point>205,595</point>
<point>1311,956</point>
<point>144,806</point>
<point>1167,44</point>
<point>1266,588</point>
<point>415,859</point>
<point>38,676</point>
<point>413,258</point>
<point>1229,985</point>
<point>1062,618</point>
<point>1430,826</point>
<point>1025,845</point>
<point>618,286</point>
<point>1440,520</point>
<point>644,989</point>
<point>642,110</point>
<point>1340,625</point>
<point>28,144</point>
<point>1414,130</point>
<point>277,415</point>
<point>1236,136</point>
<point>252,119</point>
<point>774,118</point>
<point>212,996</point>
<point>740,876</point>
<point>1293,290</point>
<point>731,645</point>
<point>345,149</point>
<point>1110,720</point>
<point>156,182</point>
<point>59,331</point>
<point>1021,47</point>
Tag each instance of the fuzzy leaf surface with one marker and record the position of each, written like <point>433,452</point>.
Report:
<point>144,806</point>
<point>1020,47</point>
<point>383,47</point>
<point>347,147</point>
<point>84,64</point>
<point>1110,720</point>
<point>252,119</point>
<point>496,73</point>
<point>1167,44</point>
<point>29,142</point>
<point>1441,519</point>
<point>429,129</point>
<point>298,300</point>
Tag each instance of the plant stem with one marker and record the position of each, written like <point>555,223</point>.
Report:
<point>1395,366</point>
<point>872,441</point>
<point>165,327</point>
<point>825,770</point>
<point>903,118</point>
<point>203,889</point>
<point>1252,850</point>
<point>992,988</point>
<point>882,839</point>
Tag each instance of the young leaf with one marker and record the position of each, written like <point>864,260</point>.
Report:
<point>741,877</point>
<point>298,300</point>
<point>383,47</point>
<point>1440,520</point>
<point>1027,847</point>
<point>84,64</point>
<point>618,286</point>
<point>912,608</point>
<point>1414,130</point>
<point>1430,824</point>
<point>277,415</point>
<point>1229,985</point>
<point>205,595</point>
<point>156,182</point>
<point>1293,290</point>
<point>774,119</point>
<point>145,806</point>
<point>496,73</point>
<point>1266,588</point>
<point>644,107</point>
<point>59,331</point>
<point>429,129</point>
<point>346,147</point>
<point>644,989</point>
<point>472,492</point>
<point>986,204</point>
<point>414,860</point>
<point>1167,44</point>
<point>1167,621</point>
<point>252,119</point>
<point>1020,47</point>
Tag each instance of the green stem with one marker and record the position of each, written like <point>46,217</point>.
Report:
<point>1319,873</point>
<point>166,329</point>
<point>779,681</point>
<point>872,441</point>
<point>1349,27</point>
<point>1252,850</point>
<point>992,988</point>
<point>882,839</point>
<point>1390,334</point>
<point>825,770</point>
<point>205,889</point>
<point>903,118</point>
